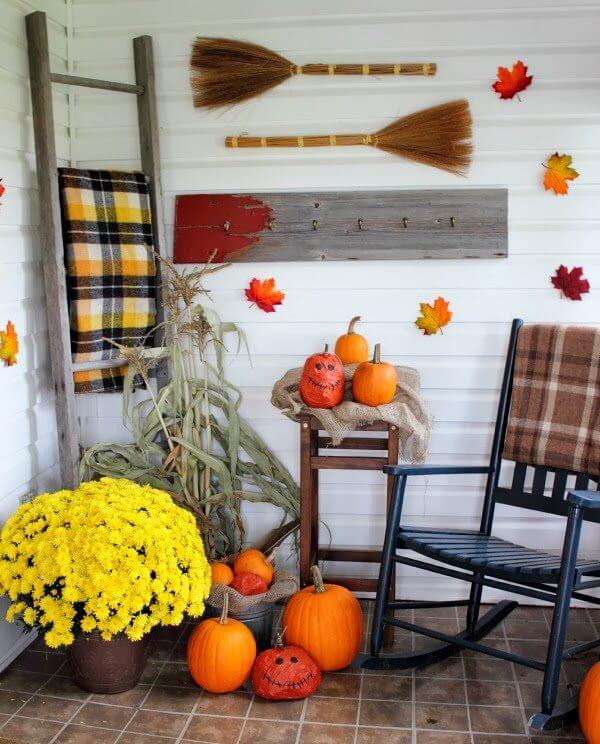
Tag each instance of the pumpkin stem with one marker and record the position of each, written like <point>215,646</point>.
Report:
<point>326,349</point>
<point>317,580</point>
<point>225,610</point>
<point>352,323</point>
<point>377,354</point>
<point>279,638</point>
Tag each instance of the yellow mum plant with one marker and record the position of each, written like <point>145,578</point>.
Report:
<point>111,556</point>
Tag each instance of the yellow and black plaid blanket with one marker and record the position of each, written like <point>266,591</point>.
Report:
<point>111,274</point>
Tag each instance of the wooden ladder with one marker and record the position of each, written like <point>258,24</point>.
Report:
<point>41,79</point>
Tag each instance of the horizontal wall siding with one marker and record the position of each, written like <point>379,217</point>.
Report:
<point>461,369</point>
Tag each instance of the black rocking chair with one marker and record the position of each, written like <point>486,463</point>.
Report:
<point>484,560</point>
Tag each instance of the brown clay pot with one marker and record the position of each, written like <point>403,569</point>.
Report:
<point>107,666</point>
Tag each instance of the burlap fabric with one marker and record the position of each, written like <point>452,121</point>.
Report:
<point>284,585</point>
<point>407,411</point>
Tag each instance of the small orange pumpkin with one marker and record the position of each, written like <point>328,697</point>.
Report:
<point>322,381</point>
<point>589,705</point>
<point>326,621</point>
<point>221,652</point>
<point>249,584</point>
<point>256,562</point>
<point>285,673</point>
<point>221,573</point>
<point>352,348</point>
<point>374,383</point>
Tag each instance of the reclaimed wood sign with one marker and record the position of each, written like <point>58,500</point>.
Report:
<point>341,225</point>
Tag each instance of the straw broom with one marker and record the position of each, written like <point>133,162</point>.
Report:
<point>439,136</point>
<point>227,71</point>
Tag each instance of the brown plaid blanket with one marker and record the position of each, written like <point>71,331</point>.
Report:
<point>554,418</point>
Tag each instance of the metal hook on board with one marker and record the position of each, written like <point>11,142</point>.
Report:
<point>314,224</point>
<point>270,224</point>
<point>453,220</point>
<point>360,223</point>
<point>404,222</point>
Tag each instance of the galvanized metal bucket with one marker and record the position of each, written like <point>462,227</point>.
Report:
<point>258,618</point>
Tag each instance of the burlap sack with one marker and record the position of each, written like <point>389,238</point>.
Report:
<point>407,411</point>
<point>284,585</point>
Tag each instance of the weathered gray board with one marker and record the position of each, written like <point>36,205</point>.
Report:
<point>341,226</point>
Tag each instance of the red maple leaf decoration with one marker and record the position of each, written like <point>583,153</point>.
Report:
<point>510,82</point>
<point>2,189</point>
<point>264,294</point>
<point>571,283</point>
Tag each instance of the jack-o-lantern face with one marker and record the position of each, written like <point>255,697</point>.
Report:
<point>285,673</point>
<point>322,381</point>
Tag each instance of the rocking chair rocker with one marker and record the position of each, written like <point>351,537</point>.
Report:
<point>484,560</point>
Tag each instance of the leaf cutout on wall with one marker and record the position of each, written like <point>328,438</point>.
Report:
<point>572,284</point>
<point>558,172</point>
<point>434,317</point>
<point>9,345</point>
<point>511,82</point>
<point>264,294</point>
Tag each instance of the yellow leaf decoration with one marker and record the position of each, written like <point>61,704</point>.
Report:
<point>558,172</point>
<point>434,317</point>
<point>9,345</point>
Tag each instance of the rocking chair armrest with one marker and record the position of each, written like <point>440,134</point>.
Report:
<point>584,499</point>
<point>436,469</point>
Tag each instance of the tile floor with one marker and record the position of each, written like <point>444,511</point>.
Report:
<point>464,700</point>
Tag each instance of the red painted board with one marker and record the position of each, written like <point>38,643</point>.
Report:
<point>201,221</point>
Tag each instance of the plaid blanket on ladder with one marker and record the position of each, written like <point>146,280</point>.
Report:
<point>111,274</point>
<point>554,418</point>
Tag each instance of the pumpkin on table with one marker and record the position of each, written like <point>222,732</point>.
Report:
<point>285,673</point>
<point>374,383</point>
<point>221,652</point>
<point>256,562</point>
<point>221,573</point>
<point>352,348</point>
<point>326,621</point>
<point>249,584</point>
<point>322,381</point>
<point>589,705</point>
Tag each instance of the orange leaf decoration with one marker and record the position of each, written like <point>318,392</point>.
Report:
<point>264,294</point>
<point>9,345</point>
<point>2,189</point>
<point>434,317</point>
<point>510,82</point>
<point>558,172</point>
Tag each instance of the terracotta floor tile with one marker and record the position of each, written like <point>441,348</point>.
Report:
<point>367,735</point>
<point>571,730</point>
<point>74,734</point>
<point>49,708</point>
<point>383,713</point>
<point>320,733</point>
<point>331,710</point>
<point>492,693</point>
<point>134,738</point>
<point>129,699</point>
<point>489,720</point>
<point>531,693</point>
<point>268,732</point>
<point>106,716</point>
<point>451,668</point>
<point>12,701</point>
<point>214,730</point>
<point>439,716</point>
<point>39,661</point>
<point>172,699</point>
<point>385,687</point>
<point>442,737</point>
<point>153,722</point>
<point>526,629</point>
<point>340,685</point>
<point>231,704</point>
<point>175,674</point>
<point>15,679</point>
<point>431,690</point>
<point>63,687</point>
<point>483,668</point>
<point>499,739</point>
<point>276,710</point>
<point>30,730</point>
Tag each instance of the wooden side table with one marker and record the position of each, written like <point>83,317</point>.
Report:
<point>312,443</point>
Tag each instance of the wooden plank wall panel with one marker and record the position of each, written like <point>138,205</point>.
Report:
<point>461,369</point>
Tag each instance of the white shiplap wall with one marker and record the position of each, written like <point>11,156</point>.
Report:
<point>28,461</point>
<point>461,369</point>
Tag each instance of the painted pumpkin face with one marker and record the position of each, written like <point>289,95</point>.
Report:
<point>285,673</point>
<point>322,381</point>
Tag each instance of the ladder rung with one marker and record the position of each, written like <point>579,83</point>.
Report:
<point>354,583</point>
<point>356,443</point>
<point>57,77</point>
<point>333,462</point>
<point>349,554</point>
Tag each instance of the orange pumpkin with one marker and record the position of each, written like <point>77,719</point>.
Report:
<point>221,573</point>
<point>352,348</point>
<point>326,621</point>
<point>255,562</point>
<point>285,673</point>
<point>589,705</point>
<point>249,584</point>
<point>322,381</point>
<point>374,383</point>
<point>221,652</point>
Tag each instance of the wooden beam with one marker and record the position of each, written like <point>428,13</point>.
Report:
<point>85,82</point>
<point>53,249</point>
<point>341,462</point>
<point>150,156</point>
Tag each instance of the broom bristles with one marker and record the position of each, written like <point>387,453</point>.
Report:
<point>439,136</point>
<point>227,71</point>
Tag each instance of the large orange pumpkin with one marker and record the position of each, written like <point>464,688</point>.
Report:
<point>326,621</point>
<point>374,383</point>
<point>255,562</point>
<point>352,348</point>
<point>221,573</point>
<point>589,705</point>
<point>221,652</point>
<point>322,381</point>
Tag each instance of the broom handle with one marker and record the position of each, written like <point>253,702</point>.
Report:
<point>406,68</point>
<point>325,140</point>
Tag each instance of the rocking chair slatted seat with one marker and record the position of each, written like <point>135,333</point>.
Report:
<point>485,560</point>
